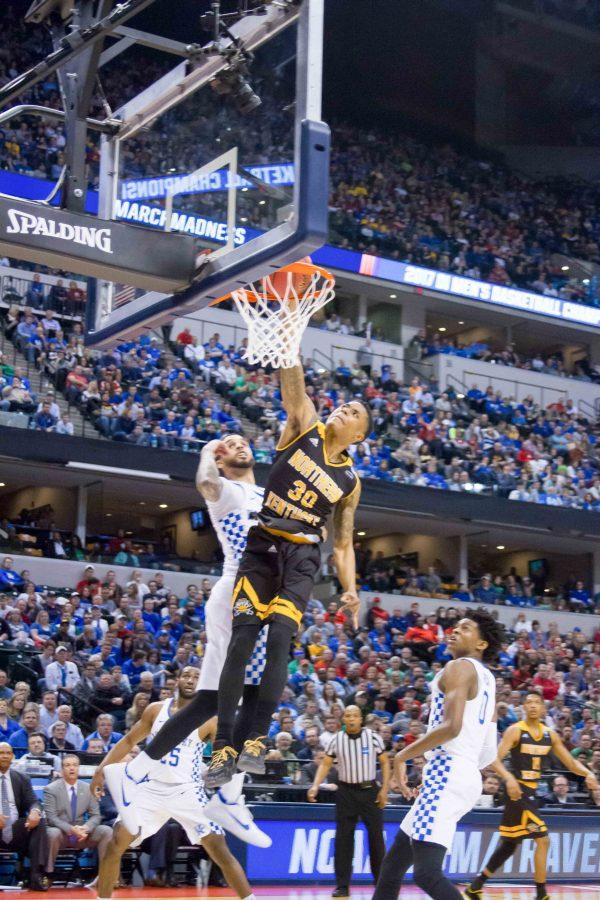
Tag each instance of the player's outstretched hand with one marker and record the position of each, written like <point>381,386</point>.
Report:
<point>513,788</point>
<point>97,784</point>
<point>351,602</point>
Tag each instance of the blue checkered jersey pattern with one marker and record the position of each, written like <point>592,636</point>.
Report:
<point>232,515</point>
<point>427,803</point>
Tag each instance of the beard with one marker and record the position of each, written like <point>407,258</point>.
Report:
<point>248,464</point>
<point>185,694</point>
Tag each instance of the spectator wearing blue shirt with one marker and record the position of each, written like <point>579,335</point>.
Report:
<point>30,723</point>
<point>215,348</point>
<point>580,598</point>
<point>44,420</point>
<point>5,692</point>
<point>8,577</point>
<point>8,726</point>
<point>515,598</point>
<point>152,619</point>
<point>166,647</point>
<point>25,331</point>
<point>175,625</point>
<point>35,293</point>
<point>485,592</point>
<point>380,639</point>
<point>462,593</point>
<point>134,667</point>
<point>379,709</point>
<point>433,477</point>
<point>104,732</point>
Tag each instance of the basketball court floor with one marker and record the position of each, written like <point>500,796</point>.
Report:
<point>562,892</point>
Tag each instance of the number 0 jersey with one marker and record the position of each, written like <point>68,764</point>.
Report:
<point>528,754</point>
<point>303,487</point>
<point>184,764</point>
<point>477,716</point>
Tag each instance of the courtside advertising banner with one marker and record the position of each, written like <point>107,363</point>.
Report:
<point>305,848</point>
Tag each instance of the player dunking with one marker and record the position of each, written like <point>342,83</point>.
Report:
<point>176,792</point>
<point>225,478</point>
<point>311,476</point>
<point>460,740</point>
<point>529,742</point>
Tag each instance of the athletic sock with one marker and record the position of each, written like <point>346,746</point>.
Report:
<point>232,791</point>
<point>250,897</point>
<point>541,890</point>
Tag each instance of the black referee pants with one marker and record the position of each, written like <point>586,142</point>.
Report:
<point>351,804</point>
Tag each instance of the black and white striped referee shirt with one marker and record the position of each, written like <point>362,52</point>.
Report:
<point>356,755</point>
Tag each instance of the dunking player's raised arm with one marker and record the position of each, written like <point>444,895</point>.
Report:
<point>300,409</point>
<point>208,477</point>
<point>343,550</point>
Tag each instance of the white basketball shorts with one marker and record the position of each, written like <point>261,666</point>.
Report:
<point>218,634</point>
<point>156,802</point>
<point>451,787</point>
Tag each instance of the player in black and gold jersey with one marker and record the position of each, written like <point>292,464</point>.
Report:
<point>311,477</point>
<point>529,743</point>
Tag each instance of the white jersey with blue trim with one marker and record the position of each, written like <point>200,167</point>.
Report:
<point>232,515</point>
<point>184,764</point>
<point>477,716</point>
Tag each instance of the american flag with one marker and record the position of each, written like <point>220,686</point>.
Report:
<point>124,293</point>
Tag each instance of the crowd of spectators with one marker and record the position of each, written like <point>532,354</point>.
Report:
<point>481,442</point>
<point>391,195</point>
<point>80,666</point>
<point>432,344</point>
<point>392,575</point>
<point>96,657</point>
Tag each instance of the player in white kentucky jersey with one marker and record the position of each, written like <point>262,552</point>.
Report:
<point>460,741</point>
<point>225,478</point>
<point>175,792</point>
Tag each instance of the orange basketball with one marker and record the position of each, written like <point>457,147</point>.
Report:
<point>300,280</point>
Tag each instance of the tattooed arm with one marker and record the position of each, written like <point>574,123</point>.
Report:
<point>343,551</point>
<point>301,413</point>
<point>208,477</point>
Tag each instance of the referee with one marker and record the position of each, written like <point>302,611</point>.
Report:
<point>355,752</point>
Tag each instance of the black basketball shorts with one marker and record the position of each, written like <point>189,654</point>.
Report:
<point>274,580</point>
<point>521,818</point>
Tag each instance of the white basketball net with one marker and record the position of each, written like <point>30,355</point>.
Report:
<point>277,319</point>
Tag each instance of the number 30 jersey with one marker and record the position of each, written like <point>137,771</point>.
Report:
<point>303,486</point>
<point>469,742</point>
<point>184,764</point>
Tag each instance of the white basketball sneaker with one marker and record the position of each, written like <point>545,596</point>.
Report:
<point>123,790</point>
<point>234,816</point>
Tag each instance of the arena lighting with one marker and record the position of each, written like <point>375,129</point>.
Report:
<point>361,533</point>
<point>163,505</point>
<point>441,328</point>
<point>115,470</point>
<point>500,547</point>
<point>2,484</point>
<point>393,296</point>
<point>461,323</point>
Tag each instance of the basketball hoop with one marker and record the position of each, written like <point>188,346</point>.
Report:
<point>277,309</point>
